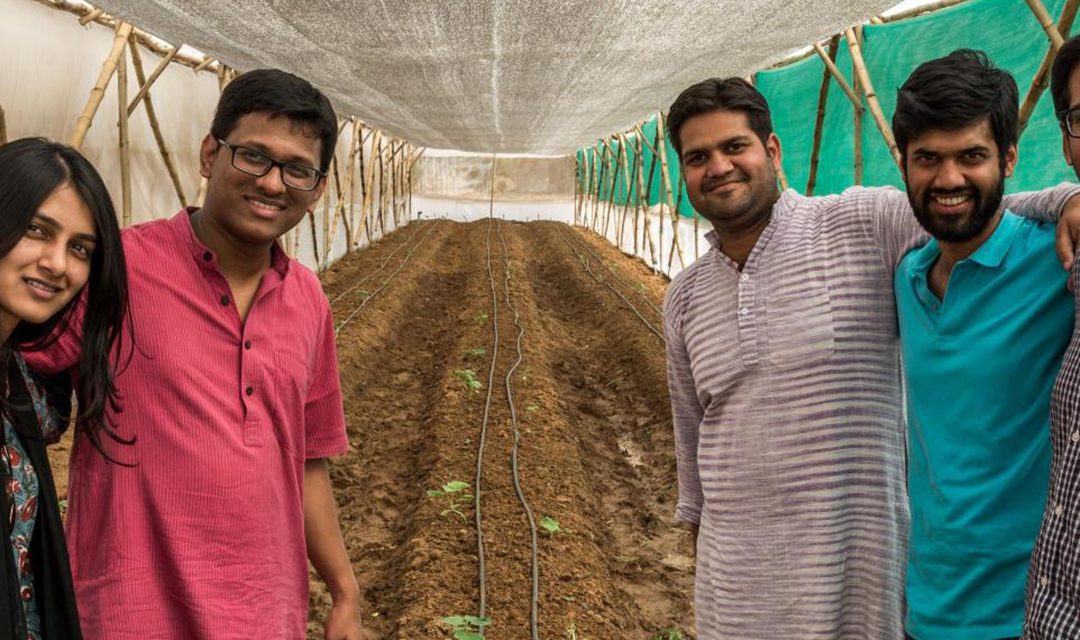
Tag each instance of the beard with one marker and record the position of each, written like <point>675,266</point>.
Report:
<point>958,229</point>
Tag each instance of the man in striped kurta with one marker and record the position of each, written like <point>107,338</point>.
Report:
<point>784,378</point>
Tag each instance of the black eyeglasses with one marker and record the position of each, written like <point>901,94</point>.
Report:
<point>1070,119</point>
<point>253,162</point>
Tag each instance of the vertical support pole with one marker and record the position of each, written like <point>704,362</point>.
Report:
<point>3,126</point>
<point>666,181</point>
<point>819,121</point>
<point>1042,76</point>
<point>871,96</point>
<point>858,128</point>
<point>125,150</point>
<point>151,115</point>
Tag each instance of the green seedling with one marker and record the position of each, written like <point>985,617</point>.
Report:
<point>468,378</point>
<point>363,294</point>
<point>571,631</point>
<point>474,352</point>
<point>456,493</point>
<point>669,634</point>
<point>550,526</point>
<point>525,373</point>
<point>467,627</point>
<point>481,317</point>
<point>532,408</point>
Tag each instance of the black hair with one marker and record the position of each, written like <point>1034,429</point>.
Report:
<point>280,94</point>
<point>1068,56</point>
<point>957,91</point>
<point>31,169</point>
<point>719,94</point>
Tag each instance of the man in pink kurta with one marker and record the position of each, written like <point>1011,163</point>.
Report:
<point>204,526</point>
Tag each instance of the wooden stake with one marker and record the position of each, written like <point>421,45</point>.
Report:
<point>151,115</point>
<point>147,83</point>
<point>666,183</point>
<point>1046,22</point>
<point>858,177</point>
<point>125,151</point>
<point>871,96</point>
<point>834,71</point>
<point>1042,77</point>
<point>819,122</point>
<point>86,118</point>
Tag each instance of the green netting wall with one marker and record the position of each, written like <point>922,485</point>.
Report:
<point>1005,29</point>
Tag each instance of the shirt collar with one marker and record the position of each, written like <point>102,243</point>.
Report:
<point>990,254</point>
<point>202,254</point>
<point>787,201</point>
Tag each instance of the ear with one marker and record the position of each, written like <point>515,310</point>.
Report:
<point>1066,149</point>
<point>772,147</point>
<point>207,153</point>
<point>316,194</point>
<point>1011,155</point>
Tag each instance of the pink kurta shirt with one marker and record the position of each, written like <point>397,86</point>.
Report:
<point>204,536</point>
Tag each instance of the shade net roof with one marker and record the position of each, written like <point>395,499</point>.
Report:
<point>508,76</point>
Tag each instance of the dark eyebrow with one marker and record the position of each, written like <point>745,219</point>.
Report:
<point>56,225</point>
<point>723,143</point>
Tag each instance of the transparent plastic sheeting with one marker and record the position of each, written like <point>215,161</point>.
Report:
<point>530,76</point>
<point>892,51</point>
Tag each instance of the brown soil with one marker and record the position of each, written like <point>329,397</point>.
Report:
<point>593,417</point>
<point>592,412</point>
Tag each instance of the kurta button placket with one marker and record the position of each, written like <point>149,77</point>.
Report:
<point>224,301</point>
<point>247,344</point>
<point>249,391</point>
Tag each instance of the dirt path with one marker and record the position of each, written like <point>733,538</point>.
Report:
<point>593,420</point>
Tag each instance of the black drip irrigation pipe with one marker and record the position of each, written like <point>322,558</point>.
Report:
<point>620,280</point>
<point>585,264</point>
<point>477,518</point>
<point>534,614</point>
<point>386,283</point>
<point>381,266</point>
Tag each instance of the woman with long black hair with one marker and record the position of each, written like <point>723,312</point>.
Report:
<point>58,235</point>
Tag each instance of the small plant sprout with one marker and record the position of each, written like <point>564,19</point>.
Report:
<point>475,352</point>
<point>532,408</point>
<point>363,294</point>
<point>456,493</point>
<point>669,634</point>
<point>550,526</point>
<point>481,317</point>
<point>468,378</point>
<point>467,627</point>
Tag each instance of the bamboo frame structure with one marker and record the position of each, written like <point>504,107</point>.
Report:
<point>666,183</point>
<point>871,96</point>
<point>155,128</point>
<point>1046,22</point>
<point>149,82</point>
<point>623,159</point>
<point>1041,80</point>
<point>819,120</point>
<point>857,178</point>
<point>86,118</point>
<point>829,58</point>
<point>125,146</point>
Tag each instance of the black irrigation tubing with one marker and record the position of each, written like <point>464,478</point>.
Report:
<point>477,518</point>
<point>618,279</point>
<point>585,264</point>
<point>386,283</point>
<point>534,614</point>
<point>381,266</point>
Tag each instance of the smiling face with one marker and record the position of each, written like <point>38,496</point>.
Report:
<point>955,181</point>
<point>250,212</point>
<point>730,174</point>
<point>50,264</point>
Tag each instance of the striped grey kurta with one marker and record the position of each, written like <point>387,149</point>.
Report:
<point>789,438</point>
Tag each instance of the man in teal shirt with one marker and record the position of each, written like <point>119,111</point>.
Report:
<point>984,317</point>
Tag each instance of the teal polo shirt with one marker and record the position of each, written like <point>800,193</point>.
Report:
<point>979,367</point>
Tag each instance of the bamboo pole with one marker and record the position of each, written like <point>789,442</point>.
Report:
<point>151,115</point>
<point>382,194</point>
<point>90,17</point>
<point>1046,22</point>
<point>678,205</point>
<point>207,61</point>
<point>326,216</point>
<point>610,208</point>
<point>339,207</point>
<point>871,95</point>
<point>369,183</point>
<point>831,69</point>
<point>858,131</point>
<point>354,239</point>
<point>666,182</point>
<point>3,126</point>
<point>86,118</point>
<point>1042,77</point>
<point>147,83</point>
<point>125,146</point>
<point>599,185</point>
<point>624,159</point>
<point>314,236</point>
<point>648,194</point>
<point>819,121</point>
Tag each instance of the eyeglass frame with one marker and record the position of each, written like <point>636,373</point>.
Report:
<point>1063,118</point>
<point>270,166</point>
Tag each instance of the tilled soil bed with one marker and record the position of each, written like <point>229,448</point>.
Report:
<point>593,423</point>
